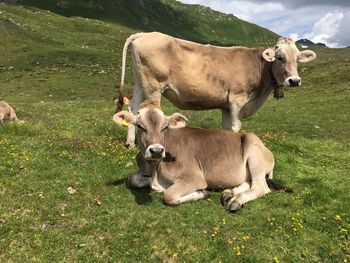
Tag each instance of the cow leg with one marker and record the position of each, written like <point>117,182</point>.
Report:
<point>195,196</point>
<point>137,99</point>
<point>260,163</point>
<point>186,191</point>
<point>236,202</point>
<point>227,194</point>
<point>235,121</point>
<point>130,141</point>
<point>232,121</point>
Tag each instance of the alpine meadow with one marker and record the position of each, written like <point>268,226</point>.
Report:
<point>63,166</point>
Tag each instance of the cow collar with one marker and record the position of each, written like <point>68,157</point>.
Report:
<point>278,91</point>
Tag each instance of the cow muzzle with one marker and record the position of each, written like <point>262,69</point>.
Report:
<point>155,152</point>
<point>292,81</point>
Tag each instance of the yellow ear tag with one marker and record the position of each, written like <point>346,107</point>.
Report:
<point>125,123</point>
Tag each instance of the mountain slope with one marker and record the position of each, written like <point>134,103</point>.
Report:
<point>191,22</point>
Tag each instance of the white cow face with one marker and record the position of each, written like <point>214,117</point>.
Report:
<point>152,125</point>
<point>285,57</point>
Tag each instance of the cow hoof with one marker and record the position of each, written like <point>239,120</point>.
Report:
<point>223,199</point>
<point>226,196</point>
<point>129,145</point>
<point>230,203</point>
<point>234,206</point>
<point>205,194</point>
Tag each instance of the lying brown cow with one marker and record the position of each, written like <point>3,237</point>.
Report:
<point>187,161</point>
<point>6,112</point>
<point>236,80</point>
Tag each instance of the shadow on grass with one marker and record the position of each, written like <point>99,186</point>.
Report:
<point>142,195</point>
<point>117,182</point>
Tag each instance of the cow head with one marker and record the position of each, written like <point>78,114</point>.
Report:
<point>285,57</point>
<point>152,125</point>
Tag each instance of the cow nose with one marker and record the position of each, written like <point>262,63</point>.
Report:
<point>294,82</point>
<point>155,152</point>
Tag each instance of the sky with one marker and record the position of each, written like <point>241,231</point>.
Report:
<point>325,21</point>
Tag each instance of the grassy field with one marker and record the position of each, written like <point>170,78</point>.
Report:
<point>62,85</point>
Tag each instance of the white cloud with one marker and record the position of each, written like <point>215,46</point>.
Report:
<point>318,20</point>
<point>297,21</point>
<point>271,14</point>
<point>305,3</point>
<point>343,35</point>
<point>294,36</point>
<point>242,9</point>
<point>332,29</point>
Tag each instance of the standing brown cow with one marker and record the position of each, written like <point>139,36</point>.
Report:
<point>236,80</point>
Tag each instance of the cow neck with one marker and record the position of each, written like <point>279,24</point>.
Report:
<point>277,89</point>
<point>153,167</point>
<point>151,164</point>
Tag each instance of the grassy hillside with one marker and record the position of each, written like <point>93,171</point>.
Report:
<point>191,22</point>
<point>59,71</point>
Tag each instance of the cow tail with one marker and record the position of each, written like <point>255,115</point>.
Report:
<point>120,100</point>
<point>276,186</point>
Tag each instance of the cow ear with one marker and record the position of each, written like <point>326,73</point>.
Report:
<point>306,56</point>
<point>176,120</point>
<point>269,55</point>
<point>124,118</point>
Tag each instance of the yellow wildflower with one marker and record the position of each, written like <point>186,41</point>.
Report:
<point>338,218</point>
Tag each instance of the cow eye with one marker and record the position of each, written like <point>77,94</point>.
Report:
<point>280,59</point>
<point>142,128</point>
<point>165,127</point>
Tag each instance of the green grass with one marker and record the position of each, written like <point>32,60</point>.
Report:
<point>64,92</point>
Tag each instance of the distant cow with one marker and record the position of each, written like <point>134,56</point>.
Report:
<point>187,161</point>
<point>236,80</point>
<point>6,112</point>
